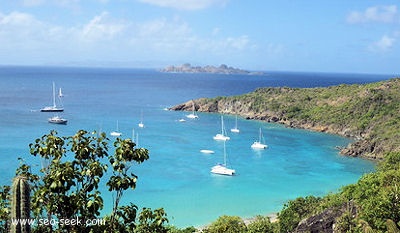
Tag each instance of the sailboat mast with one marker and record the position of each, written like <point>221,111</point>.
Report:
<point>236,122</point>
<point>54,95</point>
<point>222,125</point>
<point>224,154</point>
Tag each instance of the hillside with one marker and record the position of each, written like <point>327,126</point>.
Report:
<point>369,113</point>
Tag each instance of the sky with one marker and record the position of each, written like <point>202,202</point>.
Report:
<point>346,36</point>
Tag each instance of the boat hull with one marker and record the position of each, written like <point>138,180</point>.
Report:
<point>115,134</point>
<point>235,130</point>
<point>222,170</point>
<point>220,137</point>
<point>57,120</point>
<point>258,145</point>
<point>207,151</point>
<point>192,116</point>
<point>52,110</point>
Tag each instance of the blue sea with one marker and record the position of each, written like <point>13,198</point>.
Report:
<point>177,176</point>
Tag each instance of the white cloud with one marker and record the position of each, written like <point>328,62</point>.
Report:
<point>17,19</point>
<point>186,4</point>
<point>101,28</point>
<point>382,14</point>
<point>20,28</point>
<point>382,45</point>
<point>105,37</point>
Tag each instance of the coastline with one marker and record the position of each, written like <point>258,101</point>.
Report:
<point>366,113</point>
<point>353,149</point>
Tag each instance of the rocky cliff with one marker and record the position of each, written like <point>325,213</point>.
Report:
<point>367,113</point>
<point>327,220</point>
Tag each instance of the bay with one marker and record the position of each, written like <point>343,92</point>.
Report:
<point>177,176</point>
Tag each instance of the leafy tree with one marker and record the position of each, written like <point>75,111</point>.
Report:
<point>227,224</point>
<point>173,229</point>
<point>150,221</point>
<point>121,162</point>
<point>67,185</point>
<point>260,224</point>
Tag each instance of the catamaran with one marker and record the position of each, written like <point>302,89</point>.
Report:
<point>222,169</point>
<point>236,129</point>
<point>116,133</point>
<point>222,136</point>
<point>258,144</point>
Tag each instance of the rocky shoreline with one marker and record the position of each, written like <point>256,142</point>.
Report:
<point>361,147</point>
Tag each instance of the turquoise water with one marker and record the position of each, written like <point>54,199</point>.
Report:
<point>177,176</point>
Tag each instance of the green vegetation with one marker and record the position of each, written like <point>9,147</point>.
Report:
<point>375,198</point>
<point>4,208</point>
<point>368,112</point>
<point>234,224</point>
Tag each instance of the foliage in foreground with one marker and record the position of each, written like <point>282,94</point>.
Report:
<point>234,224</point>
<point>376,197</point>
<point>67,185</point>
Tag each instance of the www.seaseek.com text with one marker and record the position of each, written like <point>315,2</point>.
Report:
<point>59,222</point>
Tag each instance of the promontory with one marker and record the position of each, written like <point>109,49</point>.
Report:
<point>368,113</point>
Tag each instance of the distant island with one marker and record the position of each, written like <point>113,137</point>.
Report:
<point>222,69</point>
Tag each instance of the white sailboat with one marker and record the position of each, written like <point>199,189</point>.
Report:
<point>193,114</point>
<point>236,129</point>
<point>141,124</point>
<point>53,108</point>
<point>116,133</point>
<point>258,144</point>
<point>222,169</point>
<point>222,136</point>
<point>60,94</point>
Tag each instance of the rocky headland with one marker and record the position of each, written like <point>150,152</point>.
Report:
<point>367,113</point>
<point>222,69</point>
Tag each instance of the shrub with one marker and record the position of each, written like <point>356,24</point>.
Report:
<point>261,224</point>
<point>227,224</point>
